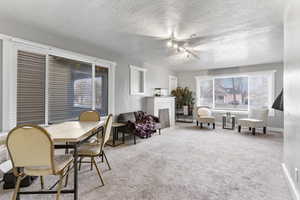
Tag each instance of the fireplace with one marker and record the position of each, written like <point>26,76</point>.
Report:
<point>164,117</point>
<point>165,104</point>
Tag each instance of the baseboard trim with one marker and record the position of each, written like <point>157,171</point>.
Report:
<point>274,129</point>
<point>291,185</point>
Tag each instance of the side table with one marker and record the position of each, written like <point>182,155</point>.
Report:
<point>225,123</point>
<point>115,127</point>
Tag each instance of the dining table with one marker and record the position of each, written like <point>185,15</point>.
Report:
<point>70,135</point>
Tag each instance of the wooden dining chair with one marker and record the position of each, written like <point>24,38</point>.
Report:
<point>31,151</point>
<point>93,150</point>
<point>90,116</point>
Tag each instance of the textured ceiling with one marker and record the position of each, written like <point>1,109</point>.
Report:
<point>226,32</point>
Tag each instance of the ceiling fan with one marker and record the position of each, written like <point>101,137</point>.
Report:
<point>184,45</point>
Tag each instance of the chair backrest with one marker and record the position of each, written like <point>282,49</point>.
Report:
<point>261,114</point>
<point>89,116</point>
<point>30,146</point>
<point>203,111</point>
<point>107,130</point>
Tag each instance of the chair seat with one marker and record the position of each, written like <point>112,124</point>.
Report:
<point>253,123</point>
<point>206,119</point>
<point>60,162</point>
<point>89,149</point>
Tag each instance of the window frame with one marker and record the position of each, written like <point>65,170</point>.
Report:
<point>235,75</point>
<point>11,46</point>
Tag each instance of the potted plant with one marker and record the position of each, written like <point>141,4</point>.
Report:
<point>184,99</point>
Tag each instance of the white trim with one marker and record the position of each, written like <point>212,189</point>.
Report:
<point>9,78</point>
<point>111,88</point>
<point>132,80</point>
<point>291,185</point>
<point>238,74</point>
<point>93,87</point>
<point>46,91</point>
<point>57,51</point>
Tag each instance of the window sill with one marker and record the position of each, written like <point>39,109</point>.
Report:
<point>231,111</point>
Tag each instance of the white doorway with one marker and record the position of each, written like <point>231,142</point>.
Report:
<point>172,83</point>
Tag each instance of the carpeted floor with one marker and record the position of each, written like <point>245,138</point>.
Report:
<point>187,163</point>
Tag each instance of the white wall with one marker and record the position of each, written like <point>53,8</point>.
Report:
<point>187,79</point>
<point>0,85</point>
<point>292,90</point>
<point>156,76</point>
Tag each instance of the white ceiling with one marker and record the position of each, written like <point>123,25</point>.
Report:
<point>227,32</point>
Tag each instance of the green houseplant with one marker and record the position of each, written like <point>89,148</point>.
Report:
<point>184,97</point>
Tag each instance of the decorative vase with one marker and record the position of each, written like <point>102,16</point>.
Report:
<point>185,110</point>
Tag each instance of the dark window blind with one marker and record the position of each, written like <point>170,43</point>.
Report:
<point>30,88</point>
<point>69,88</point>
<point>101,90</point>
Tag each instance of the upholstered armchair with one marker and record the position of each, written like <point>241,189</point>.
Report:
<point>204,115</point>
<point>257,118</point>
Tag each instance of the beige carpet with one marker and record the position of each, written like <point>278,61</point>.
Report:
<point>187,163</point>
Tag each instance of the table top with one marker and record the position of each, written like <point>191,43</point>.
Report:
<point>73,131</point>
<point>116,124</point>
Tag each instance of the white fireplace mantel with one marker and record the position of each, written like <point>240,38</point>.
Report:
<point>154,104</point>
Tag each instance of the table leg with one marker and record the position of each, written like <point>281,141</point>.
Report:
<point>233,123</point>
<point>75,172</point>
<point>114,136</point>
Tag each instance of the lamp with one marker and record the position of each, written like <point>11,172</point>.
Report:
<point>278,103</point>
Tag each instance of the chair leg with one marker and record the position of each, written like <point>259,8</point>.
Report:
<point>98,171</point>
<point>201,125</point>
<point>197,123</point>
<point>265,130</point>
<point>159,131</point>
<point>42,182</point>
<point>239,128</point>
<point>253,131</point>
<point>214,125</point>
<point>106,160</point>
<point>17,188</point>
<point>67,176</point>
<point>91,165</point>
<point>134,139</point>
<point>59,186</point>
<point>79,168</point>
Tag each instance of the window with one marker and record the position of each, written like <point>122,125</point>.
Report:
<point>82,91</point>
<point>206,91</point>
<point>69,88</point>
<point>43,84</point>
<point>30,88</point>
<point>238,92</point>
<point>231,93</point>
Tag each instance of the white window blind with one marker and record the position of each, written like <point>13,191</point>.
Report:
<point>69,88</point>
<point>30,88</point>
<point>101,90</point>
